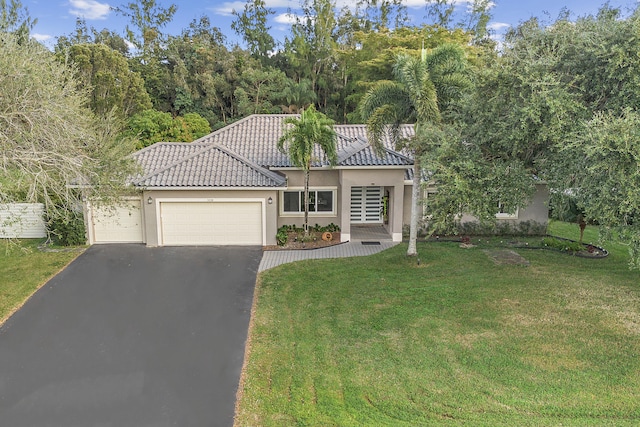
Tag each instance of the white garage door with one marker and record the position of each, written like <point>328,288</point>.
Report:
<point>121,224</point>
<point>211,223</point>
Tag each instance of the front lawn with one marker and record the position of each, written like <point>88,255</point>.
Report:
<point>23,269</point>
<point>455,340</point>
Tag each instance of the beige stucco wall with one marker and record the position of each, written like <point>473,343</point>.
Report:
<point>324,179</point>
<point>536,211</point>
<point>406,218</point>
<point>341,180</point>
<point>317,178</point>
<point>150,210</point>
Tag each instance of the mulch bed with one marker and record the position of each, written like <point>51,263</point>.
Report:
<point>316,242</point>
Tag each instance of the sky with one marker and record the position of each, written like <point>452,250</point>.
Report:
<point>58,17</point>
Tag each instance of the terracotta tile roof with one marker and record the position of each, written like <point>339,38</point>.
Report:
<point>242,154</point>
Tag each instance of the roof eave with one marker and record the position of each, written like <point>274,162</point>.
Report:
<point>156,188</point>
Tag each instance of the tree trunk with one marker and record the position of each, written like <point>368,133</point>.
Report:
<point>306,203</point>
<point>415,194</point>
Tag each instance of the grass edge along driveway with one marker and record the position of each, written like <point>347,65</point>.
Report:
<point>455,340</point>
<point>24,269</point>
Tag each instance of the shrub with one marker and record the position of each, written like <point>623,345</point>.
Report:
<point>282,235</point>
<point>321,229</point>
<point>67,229</point>
<point>503,228</point>
<point>562,244</point>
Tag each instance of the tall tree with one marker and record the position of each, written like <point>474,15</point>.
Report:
<point>110,82</point>
<point>251,25</point>
<point>260,90</point>
<point>605,156</point>
<point>147,18</point>
<point>300,139</point>
<point>441,12</point>
<point>372,56</point>
<point>474,19</point>
<point>83,34</point>
<point>423,90</point>
<point>49,140</point>
<point>561,103</point>
<point>151,126</point>
<point>311,49</point>
<point>14,18</point>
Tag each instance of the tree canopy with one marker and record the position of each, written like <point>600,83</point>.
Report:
<point>423,90</point>
<point>50,141</point>
<point>559,104</point>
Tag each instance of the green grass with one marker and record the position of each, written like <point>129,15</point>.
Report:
<point>23,269</point>
<point>455,340</point>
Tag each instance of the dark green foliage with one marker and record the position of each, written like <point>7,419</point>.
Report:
<point>283,232</point>
<point>153,126</point>
<point>105,72</point>
<point>561,103</point>
<point>332,228</point>
<point>251,25</point>
<point>282,235</point>
<point>67,228</point>
<point>563,244</point>
<point>501,228</point>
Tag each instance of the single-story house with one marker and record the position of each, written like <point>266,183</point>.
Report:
<point>233,187</point>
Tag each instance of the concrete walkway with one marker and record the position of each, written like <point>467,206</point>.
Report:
<point>272,259</point>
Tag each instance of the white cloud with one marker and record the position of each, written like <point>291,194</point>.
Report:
<point>226,8</point>
<point>41,37</point>
<point>415,4</point>
<point>273,4</point>
<point>286,18</point>
<point>490,5</point>
<point>89,9</point>
<point>498,26</point>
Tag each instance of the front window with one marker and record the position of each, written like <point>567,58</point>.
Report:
<point>320,201</point>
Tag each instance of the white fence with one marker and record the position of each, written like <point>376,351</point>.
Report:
<point>22,221</point>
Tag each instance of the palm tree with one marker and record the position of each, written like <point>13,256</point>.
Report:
<point>311,129</point>
<point>423,88</point>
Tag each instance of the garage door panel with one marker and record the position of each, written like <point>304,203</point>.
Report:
<point>120,224</point>
<point>211,223</point>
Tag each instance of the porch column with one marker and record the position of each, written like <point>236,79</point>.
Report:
<point>396,218</point>
<point>345,212</point>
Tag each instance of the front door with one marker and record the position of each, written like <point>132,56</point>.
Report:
<point>366,205</point>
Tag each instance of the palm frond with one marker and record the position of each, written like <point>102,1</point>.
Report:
<point>386,106</point>
<point>382,93</point>
<point>301,135</point>
<point>447,57</point>
<point>410,72</point>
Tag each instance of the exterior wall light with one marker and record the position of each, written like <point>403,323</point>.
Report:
<point>270,200</point>
<point>149,201</point>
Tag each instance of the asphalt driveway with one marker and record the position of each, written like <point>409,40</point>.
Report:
<point>131,336</point>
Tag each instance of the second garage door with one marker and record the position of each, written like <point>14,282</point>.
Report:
<point>118,224</point>
<point>211,223</point>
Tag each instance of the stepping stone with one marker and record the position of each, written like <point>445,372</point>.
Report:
<point>505,257</point>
